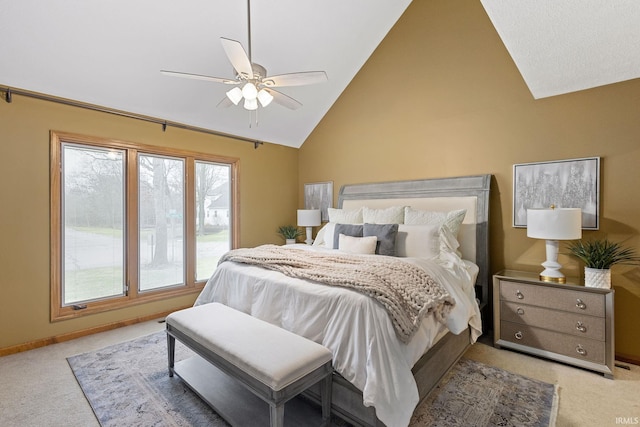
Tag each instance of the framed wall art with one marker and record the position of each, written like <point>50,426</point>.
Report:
<point>319,195</point>
<point>572,183</point>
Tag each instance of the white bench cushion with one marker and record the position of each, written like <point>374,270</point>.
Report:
<point>272,355</point>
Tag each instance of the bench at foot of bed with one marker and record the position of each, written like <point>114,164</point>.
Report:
<point>274,364</point>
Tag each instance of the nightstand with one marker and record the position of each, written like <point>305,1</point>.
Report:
<point>568,323</point>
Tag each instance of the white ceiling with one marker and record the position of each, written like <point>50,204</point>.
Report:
<point>109,53</point>
<point>562,46</point>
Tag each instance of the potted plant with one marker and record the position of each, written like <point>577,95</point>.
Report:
<point>290,233</point>
<point>599,256</point>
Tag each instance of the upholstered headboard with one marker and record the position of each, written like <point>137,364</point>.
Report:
<point>440,194</point>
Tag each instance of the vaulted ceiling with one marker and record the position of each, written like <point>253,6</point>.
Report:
<point>110,53</point>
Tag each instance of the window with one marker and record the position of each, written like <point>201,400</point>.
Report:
<point>133,223</point>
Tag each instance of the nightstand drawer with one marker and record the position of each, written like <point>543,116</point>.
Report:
<point>560,321</point>
<point>567,345</point>
<point>574,301</point>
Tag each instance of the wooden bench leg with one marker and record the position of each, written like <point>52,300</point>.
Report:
<point>325,396</point>
<point>171,349</point>
<point>276,413</point>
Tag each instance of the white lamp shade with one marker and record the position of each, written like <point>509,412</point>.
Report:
<point>554,223</point>
<point>235,95</point>
<point>308,217</point>
<point>264,97</point>
<point>250,104</point>
<point>249,91</point>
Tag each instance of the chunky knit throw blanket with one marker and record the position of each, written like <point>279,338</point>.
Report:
<point>405,290</point>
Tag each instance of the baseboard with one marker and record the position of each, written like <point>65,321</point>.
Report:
<point>84,332</point>
<point>634,360</point>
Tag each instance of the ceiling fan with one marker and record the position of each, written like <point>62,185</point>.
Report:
<point>251,82</point>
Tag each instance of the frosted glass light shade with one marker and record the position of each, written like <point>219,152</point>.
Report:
<point>264,97</point>
<point>250,104</point>
<point>249,91</point>
<point>235,95</point>
<point>554,224</point>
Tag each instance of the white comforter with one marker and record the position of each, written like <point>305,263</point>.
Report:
<point>366,349</point>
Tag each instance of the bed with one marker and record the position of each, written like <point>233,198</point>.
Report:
<point>380,376</point>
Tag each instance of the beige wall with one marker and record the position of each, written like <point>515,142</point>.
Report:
<point>442,97</point>
<point>268,199</point>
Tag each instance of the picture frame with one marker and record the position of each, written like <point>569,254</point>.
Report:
<point>319,195</point>
<point>571,183</point>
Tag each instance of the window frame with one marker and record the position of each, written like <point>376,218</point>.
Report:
<point>132,297</point>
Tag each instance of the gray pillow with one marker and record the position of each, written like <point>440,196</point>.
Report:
<point>386,234</point>
<point>353,230</point>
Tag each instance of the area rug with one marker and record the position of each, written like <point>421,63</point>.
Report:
<point>127,384</point>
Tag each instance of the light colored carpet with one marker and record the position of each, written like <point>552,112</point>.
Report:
<point>39,389</point>
<point>128,384</point>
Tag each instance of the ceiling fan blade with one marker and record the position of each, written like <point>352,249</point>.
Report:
<point>200,77</point>
<point>295,79</point>
<point>284,100</point>
<point>238,57</point>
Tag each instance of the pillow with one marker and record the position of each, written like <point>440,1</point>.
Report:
<point>353,230</point>
<point>419,241</point>
<point>392,215</point>
<point>345,216</point>
<point>357,245</point>
<point>319,240</point>
<point>386,235</point>
<point>452,219</point>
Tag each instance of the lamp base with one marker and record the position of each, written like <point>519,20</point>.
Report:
<point>309,233</point>
<point>553,279</point>
<point>551,266</point>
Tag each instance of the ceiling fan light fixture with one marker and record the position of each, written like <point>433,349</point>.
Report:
<point>235,95</point>
<point>249,91</point>
<point>264,97</point>
<point>250,104</point>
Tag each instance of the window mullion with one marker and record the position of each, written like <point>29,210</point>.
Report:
<point>190,217</point>
<point>133,256</point>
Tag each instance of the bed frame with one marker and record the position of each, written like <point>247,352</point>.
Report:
<point>442,194</point>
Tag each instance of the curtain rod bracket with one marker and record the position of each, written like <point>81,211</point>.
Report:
<point>256,144</point>
<point>7,96</point>
<point>164,126</point>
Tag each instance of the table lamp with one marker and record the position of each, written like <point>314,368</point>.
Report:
<point>554,224</point>
<point>309,218</point>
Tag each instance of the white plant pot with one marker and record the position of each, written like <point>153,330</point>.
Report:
<point>290,241</point>
<point>597,278</point>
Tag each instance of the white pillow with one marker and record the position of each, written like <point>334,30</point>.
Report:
<point>345,216</point>
<point>419,241</point>
<point>391,215</point>
<point>357,245</point>
<point>319,240</point>
<point>428,241</point>
<point>329,231</point>
<point>452,219</point>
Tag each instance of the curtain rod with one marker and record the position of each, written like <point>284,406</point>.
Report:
<point>9,92</point>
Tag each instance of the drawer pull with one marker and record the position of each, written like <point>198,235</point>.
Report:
<point>519,294</point>
<point>581,305</point>
<point>581,327</point>
<point>580,350</point>
<point>518,335</point>
<point>520,311</point>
